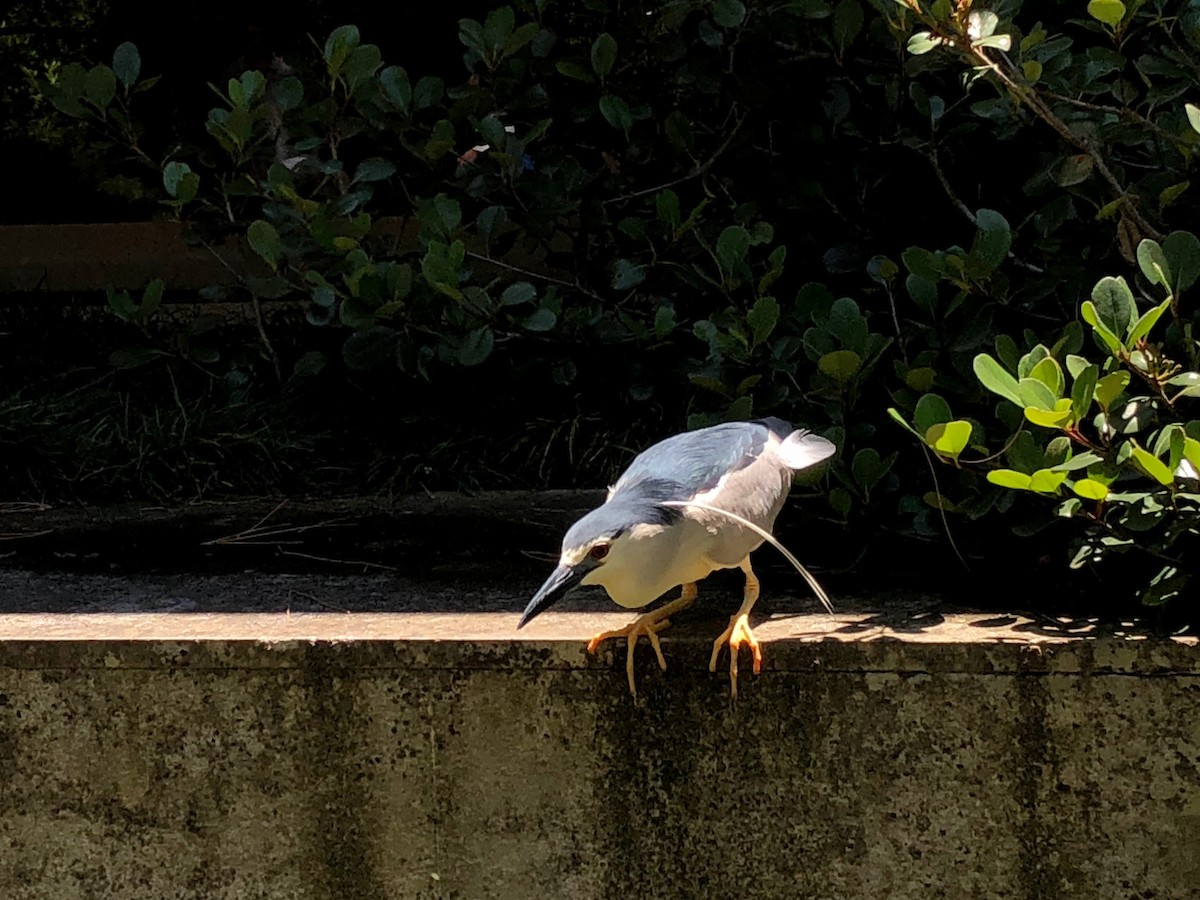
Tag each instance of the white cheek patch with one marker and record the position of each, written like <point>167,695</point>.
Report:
<point>573,556</point>
<point>642,531</point>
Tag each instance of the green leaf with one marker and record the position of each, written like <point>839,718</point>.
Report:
<point>1153,263</point>
<point>1153,466</point>
<point>264,240</point>
<point>310,364</point>
<point>664,320</point>
<point>1148,320</point>
<point>1182,250</point>
<point>998,41</point>
<point>338,46</point>
<point>847,23</point>
<point>572,69</point>
<point>1173,192</point>
<point>1189,382</point>
<point>616,112</point>
<point>949,439</point>
<point>1009,478</point>
<point>490,220</point>
<point>1034,393</point>
<point>288,92</point>
<point>840,365</point>
<point>993,239</point>
<point>981,24</point>
<point>931,410</point>
<point>627,275</point>
<point>1083,389</point>
<point>476,346</point>
<point>133,357</point>
<point>361,64</point>
<point>666,208</point>
<point>1044,481</point>
<point>1191,452</point>
<point>922,378</point>
<point>127,64</point>
<point>540,320</point>
<point>1110,12</point>
<point>1193,115</point>
<point>763,317</point>
<point>173,173</point>
<point>122,304</point>
<point>374,169</point>
<point>396,87</point>
<point>1114,304</point>
<point>1102,331</point>
<point>369,348</point>
<point>604,54</point>
<point>497,28</point>
<point>868,469</point>
<point>1089,489</point>
<point>732,246</point>
<point>1049,373</point>
<point>1110,387</point>
<point>1031,359</point>
<point>429,91</point>
<point>922,42</point>
<point>996,378</point>
<point>728,13</point>
<point>1059,417</point>
<point>449,213</point>
<point>1166,586</point>
<point>152,296</point>
<point>1079,461</point>
<point>517,293</point>
<point>100,86</point>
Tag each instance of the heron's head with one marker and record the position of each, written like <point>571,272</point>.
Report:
<point>598,543</point>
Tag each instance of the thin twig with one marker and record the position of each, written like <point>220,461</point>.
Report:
<point>529,273</point>
<point>258,314</point>
<point>1031,99</point>
<point>342,562</point>
<point>16,536</point>
<point>697,170</point>
<point>941,511</point>
<point>1123,112</point>
<point>932,155</point>
<point>313,599</point>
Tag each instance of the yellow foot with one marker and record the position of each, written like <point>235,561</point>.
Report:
<point>738,633</point>
<point>650,625</point>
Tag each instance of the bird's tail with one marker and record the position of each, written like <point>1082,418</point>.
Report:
<point>802,449</point>
<point>767,536</point>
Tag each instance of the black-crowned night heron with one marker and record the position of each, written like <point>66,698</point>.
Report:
<point>689,505</point>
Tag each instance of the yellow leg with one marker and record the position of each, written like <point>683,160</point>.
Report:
<point>739,632</point>
<point>649,624</point>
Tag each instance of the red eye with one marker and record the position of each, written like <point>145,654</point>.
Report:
<point>599,552</point>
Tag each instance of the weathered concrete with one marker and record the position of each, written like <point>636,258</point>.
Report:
<point>382,755</point>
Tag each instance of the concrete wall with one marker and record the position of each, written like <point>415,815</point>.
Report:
<point>380,756</point>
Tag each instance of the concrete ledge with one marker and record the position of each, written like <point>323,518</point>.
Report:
<point>381,755</point>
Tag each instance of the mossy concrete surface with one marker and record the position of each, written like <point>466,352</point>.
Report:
<point>439,755</point>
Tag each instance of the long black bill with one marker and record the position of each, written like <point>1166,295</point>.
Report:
<point>560,581</point>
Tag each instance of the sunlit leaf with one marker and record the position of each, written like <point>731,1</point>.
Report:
<point>1153,466</point>
<point>1010,479</point>
<point>1045,481</point>
<point>949,439</point>
<point>1089,489</point>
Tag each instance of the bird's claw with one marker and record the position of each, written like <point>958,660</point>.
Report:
<point>738,633</point>
<point>643,625</point>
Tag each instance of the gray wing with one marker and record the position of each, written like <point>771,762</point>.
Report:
<point>688,464</point>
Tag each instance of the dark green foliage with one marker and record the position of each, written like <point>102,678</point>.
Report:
<point>678,213</point>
